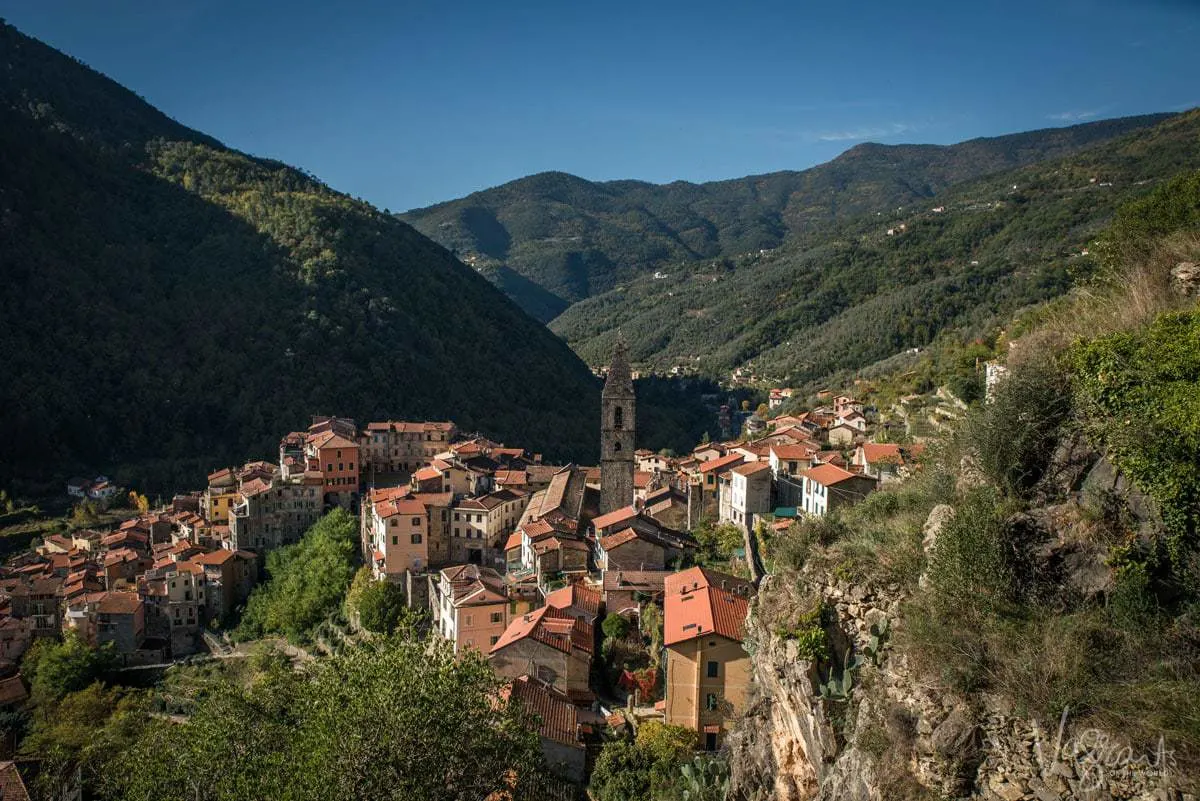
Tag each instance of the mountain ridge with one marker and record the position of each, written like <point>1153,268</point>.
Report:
<point>574,237</point>
<point>176,304</point>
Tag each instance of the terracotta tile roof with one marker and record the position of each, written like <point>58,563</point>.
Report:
<point>794,451</point>
<point>471,585</point>
<point>400,506</point>
<point>613,518</point>
<point>12,786</point>
<point>751,468</point>
<point>827,474</point>
<point>256,486</point>
<point>831,457</point>
<point>641,479</point>
<point>721,462</point>
<point>881,451</point>
<point>427,474</point>
<point>575,595</point>
<point>618,539</point>
<point>119,603</point>
<point>331,439</point>
<point>558,718</point>
<point>702,602</point>
<point>513,541</point>
<point>548,626</point>
<point>649,581</point>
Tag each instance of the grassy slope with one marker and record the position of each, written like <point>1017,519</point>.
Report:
<point>848,298</point>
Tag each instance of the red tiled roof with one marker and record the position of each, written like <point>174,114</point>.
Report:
<point>702,602</point>
<point>513,541</point>
<point>827,474</point>
<point>558,717</point>
<point>119,603</point>
<point>794,451</point>
<point>548,626</point>
<point>614,517</point>
<point>427,474</point>
<point>577,595</point>
<point>12,786</point>
<point>620,538</point>
<point>751,468</point>
<point>721,462</point>
<point>881,451</point>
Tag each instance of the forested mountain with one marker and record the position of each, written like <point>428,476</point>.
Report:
<point>851,294</point>
<point>552,239</point>
<point>170,304</point>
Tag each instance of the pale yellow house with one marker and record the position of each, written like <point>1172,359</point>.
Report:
<point>708,670</point>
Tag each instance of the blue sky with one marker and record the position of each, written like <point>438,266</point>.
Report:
<point>406,104</point>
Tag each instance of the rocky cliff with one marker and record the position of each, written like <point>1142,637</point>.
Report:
<point>895,734</point>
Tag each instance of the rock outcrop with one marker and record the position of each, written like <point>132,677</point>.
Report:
<point>900,737</point>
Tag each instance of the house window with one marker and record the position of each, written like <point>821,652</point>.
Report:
<point>713,670</point>
<point>352,465</point>
<point>416,539</point>
<point>493,640</point>
<point>710,701</point>
<point>393,522</point>
<point>497,617</point>
<point>395,540</point>
<point>710,741</point>
<point>469,619</point>
<point>618,417</point>
<point>416,521</point>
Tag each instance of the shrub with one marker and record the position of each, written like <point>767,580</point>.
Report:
<point>1013,435</point>
<point>615,627</point>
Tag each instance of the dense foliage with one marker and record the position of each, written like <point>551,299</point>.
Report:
<point>552,239</point>
<point>646,768</point>
<point>1142,393</point>
<point>172,305</point>
<point>378,606</point>
<point>306,582</point>
<point>845,296</point>
<point>394,719</point>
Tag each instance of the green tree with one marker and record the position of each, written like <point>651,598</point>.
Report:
<point>306,581</point>
<point>379,606</point>
<point>54,669</point>
<point>615,627</point>
<point>398,718</point>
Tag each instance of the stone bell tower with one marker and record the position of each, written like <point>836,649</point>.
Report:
<point>618,423</point>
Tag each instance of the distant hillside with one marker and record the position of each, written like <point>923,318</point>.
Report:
<point>850,294</point>
<point>574,239</point>
<point>170,305</point>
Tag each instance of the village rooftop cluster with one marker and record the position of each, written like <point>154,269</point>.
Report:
<point>514,558</point>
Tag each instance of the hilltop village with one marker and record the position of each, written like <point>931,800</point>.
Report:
<point>544,569</point>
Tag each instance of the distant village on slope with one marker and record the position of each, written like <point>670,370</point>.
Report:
<point>511,557</point>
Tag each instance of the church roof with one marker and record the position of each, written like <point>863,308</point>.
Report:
<point>619,382</point>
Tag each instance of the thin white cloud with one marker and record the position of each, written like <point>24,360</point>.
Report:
<point>867,132</point>
<point>1073,116</point>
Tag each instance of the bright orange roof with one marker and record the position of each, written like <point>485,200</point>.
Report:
<point>721,462</point>
<point>514,541</point>
<point>827,474</point>
<point>618,539</point>
<point>695,604</point>
<point>876,451</point>
<point>549,626</point>
<point>793,451</point>
<point>750,468</point>
<point>427,473</point>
